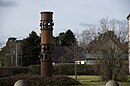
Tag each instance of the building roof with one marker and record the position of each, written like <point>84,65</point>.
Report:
<point>61,53</point>
<point>90,56</point>
<point>103,39</point>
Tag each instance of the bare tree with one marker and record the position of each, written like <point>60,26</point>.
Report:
<point>119,27</point>
<point>88,35</point>
<point>62,59</point>
<point>112,63</point>
<point>107,44</point>
<point>122,31</point>
<point>74,53</point>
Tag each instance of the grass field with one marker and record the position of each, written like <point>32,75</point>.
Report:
<point>96,81</point>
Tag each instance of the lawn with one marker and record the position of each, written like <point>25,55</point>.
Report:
<point>96,81</point>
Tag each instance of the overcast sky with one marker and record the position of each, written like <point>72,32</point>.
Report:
<point>19,17</point>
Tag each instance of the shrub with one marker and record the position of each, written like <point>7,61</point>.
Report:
<point>34,69</point>
<point>63,69</point>
<point>66,69</point>
<point>10,81</point>
<point>5,71</point>
<point>9,71</point>
<point>69,69</point>
<point>60,80</point>
<point>35,80</point>
<point>20,70</point>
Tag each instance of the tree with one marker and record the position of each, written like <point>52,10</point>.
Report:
<point>88,35</point>
<point>120,28</point>
<point>73,53</point>
<point>8,53</point>
<point>76,53</point>
<point>1,58</point>
<point>1,55</point>
<point>69,38</point>
<point>31,49</point>
<point>72,50</point>
<point>110,57</point>
<point>108,45</point>
<point>65,39</point>
<point>112,64</point>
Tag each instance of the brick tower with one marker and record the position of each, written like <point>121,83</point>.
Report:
<point>46,25</point>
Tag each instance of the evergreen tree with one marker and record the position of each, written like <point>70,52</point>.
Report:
<point>69,38</point>
<point>65,39</point>
<point>31,49</point>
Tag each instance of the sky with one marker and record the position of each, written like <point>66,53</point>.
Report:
<point>19,17</point>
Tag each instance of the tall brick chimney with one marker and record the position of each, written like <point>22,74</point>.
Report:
<point>46,25</point>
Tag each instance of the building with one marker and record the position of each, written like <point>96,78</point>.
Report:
<point>89,59</point>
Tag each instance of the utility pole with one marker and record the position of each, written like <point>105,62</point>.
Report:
<point>11,53</point>
<point>75,70</point>
<point>16,53</point>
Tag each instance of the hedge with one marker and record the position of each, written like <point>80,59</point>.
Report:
<point>69,69</point>
<point>66,69</point>
<point>58,69</point>
<point>10,71</point>
<point>34,69</point>
<point>36,80</point>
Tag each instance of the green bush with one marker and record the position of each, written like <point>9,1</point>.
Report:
<point>69,69</point>
<point>9,71</point>
<point>35,80</point>
<point>66,69</point>
<point>34,69</point>
<point>10,81</point>
<point>63,69</point>
<point>5,71</point>
<point>20,70</point>
<point>60,80</point>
